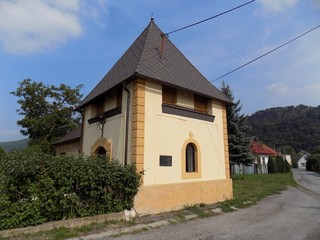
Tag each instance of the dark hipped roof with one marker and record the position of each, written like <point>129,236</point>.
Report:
<point>70,137</point>
<point>146,59</point>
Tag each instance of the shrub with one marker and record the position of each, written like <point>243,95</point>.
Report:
<point>313,163</point>
<point>287,167</point>
<point>278,165</point>
<point>272,168</point>
<point>36,187</point>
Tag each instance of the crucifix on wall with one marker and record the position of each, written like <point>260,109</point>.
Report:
<point>102,122</point>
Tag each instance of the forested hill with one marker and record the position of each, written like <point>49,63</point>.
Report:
<point>296,126</point>
<point>14,145</point>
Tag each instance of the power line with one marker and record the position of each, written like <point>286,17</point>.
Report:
<point>263,55</point>
<point>218,15</point>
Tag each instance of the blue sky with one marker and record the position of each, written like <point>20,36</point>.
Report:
<point>77,42</point>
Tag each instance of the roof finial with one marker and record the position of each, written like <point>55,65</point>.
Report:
<point>152,18</point>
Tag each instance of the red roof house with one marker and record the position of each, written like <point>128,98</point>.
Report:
<point>262,152</point>
<point>258,148</point>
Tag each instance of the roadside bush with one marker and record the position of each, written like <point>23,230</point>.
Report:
<point>313,163</point>
<point>287,166</point>
<point>272,168</point>
<point>36,187</point>
<point>278,165</point>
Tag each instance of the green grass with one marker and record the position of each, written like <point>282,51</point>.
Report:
<point>248,189</point>
<point>199,209</point>
<point>63,232</point>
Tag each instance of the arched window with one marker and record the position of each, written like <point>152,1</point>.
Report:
<point>101,151</point>
<point>191,158</point>
<point>102,147</point>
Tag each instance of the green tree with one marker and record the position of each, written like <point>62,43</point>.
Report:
<point>2,152</point>
<point>316,150</point>
<point>280,164</point>
<point>288,149</point>
<point>238,139</point>
<point>271,165</point>
<point>287,166</point>
<point>313,162</point>
<point>48,111</point>
<point>297,126</point>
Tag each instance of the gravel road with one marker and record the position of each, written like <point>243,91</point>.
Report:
<point>294,214</point>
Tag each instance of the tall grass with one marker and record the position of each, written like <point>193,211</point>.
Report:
<point>248,189</point>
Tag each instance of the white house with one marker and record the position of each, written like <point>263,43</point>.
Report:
<point>302,161</point>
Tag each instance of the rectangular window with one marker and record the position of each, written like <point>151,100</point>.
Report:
<point>169,95</point>
<point>200,104</point>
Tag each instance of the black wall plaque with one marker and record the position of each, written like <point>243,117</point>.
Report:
<point>165,161</point>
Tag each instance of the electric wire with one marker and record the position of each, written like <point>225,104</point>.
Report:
<point>218,15</point>
<point>263,55</point>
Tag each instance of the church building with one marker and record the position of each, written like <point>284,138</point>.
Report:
<point>156,110</point>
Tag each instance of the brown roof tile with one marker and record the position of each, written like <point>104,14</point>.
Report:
<point>144,59</point>
<point>70,137</point>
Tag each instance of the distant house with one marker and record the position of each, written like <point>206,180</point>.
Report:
<point>287,157</point>
<point>303,160</point>
<point>70,143</point>
<point>155,109</point>
<point>262,152</point>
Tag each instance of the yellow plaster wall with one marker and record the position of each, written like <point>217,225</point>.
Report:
<point>69,148</point>
<point>152,134</point>
<point>138,121</point>
<point>102,142</point>
<point>225,137</point>
<point>168,197</point>
<point>165,134</point>
<point>113,131</point>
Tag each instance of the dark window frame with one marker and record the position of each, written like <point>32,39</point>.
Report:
<point>200,103</point>
<point>169,95</point>
<point>107,114</point>
<point>186,112</point>
<point>191,158</point>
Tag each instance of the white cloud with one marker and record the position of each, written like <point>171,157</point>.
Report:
<point>28,27</point>
<point>312,88</point>
<point>294,73</point>
<point>276,6</point>
<point>277,88</point>
<point>96,10</point>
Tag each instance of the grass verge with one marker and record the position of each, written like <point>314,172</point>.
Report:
<point>248,189</point>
